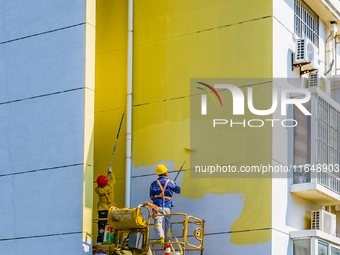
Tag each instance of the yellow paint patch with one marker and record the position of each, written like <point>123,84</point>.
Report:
<point>164,139</point>
<point>251,237</point>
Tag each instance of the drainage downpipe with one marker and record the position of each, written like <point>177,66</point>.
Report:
<point>328,54</point>
<point>336,56</point>
<point>129,108</point>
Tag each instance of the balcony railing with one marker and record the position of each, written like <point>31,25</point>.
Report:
<point>329,180</point>
<point>304,174</point>
<point>317,140</point>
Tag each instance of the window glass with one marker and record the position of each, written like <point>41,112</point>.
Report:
<point>302,145</point>
<point>335,251</point>
<point>322,249</point>
<point>302,136</point>
<point>301,247</point>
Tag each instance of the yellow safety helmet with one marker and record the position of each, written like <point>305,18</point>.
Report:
<point>161,169</point>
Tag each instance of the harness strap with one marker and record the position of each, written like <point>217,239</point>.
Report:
<point>162,195</point>
<point>107,196</point>
<point>160,186</point>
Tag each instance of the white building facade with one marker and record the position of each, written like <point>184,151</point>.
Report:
<point>297,228</point>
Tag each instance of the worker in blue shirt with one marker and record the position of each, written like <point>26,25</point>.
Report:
<point>161,192</point>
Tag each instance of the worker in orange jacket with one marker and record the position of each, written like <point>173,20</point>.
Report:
<point>105,192</point>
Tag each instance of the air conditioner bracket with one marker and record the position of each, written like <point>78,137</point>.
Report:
<point>299,65</point>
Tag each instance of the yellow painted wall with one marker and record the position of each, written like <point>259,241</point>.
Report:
<point>176,40</point>
<point>110,94</point>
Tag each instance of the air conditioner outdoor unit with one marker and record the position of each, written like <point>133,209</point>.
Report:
<point>324,221</point>
<point>306,54</point>
<point>317,79</point>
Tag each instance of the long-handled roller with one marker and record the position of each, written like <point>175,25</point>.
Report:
<point>114,149</point>
<point>180,168</point>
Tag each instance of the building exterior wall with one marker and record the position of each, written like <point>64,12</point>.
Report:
<point>289,211</point>
<point>50,112</point>
<point>45,131</point>
<point>173,43</point>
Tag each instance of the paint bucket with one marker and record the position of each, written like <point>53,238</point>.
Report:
<point>107,234</point>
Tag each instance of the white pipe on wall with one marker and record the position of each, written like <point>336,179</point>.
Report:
<point>329,54</point>
<point>129,108</point>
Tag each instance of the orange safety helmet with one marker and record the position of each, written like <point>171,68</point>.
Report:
<point>102,180</point>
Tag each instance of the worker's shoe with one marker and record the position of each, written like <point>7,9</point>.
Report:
<point>158,241</point>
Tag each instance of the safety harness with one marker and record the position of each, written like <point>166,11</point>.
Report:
<point>107,196</point>
<point>162,195</point>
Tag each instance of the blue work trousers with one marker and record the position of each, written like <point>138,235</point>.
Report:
<point>159,224</point>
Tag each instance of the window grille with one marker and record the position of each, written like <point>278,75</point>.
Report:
<point>328,133</point>
<point>328,143</point>
<point>306,22</point>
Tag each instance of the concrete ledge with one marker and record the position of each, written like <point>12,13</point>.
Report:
<point>316,193</point>
<point>326,9</point>
<point>314,233</point>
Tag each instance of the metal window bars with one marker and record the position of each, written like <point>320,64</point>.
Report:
<point>328,141</point>
<point>306,22</point>
<point>328,147</point>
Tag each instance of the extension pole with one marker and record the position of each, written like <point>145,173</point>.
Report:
<point>114,148</point>
<point>180,168</point>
